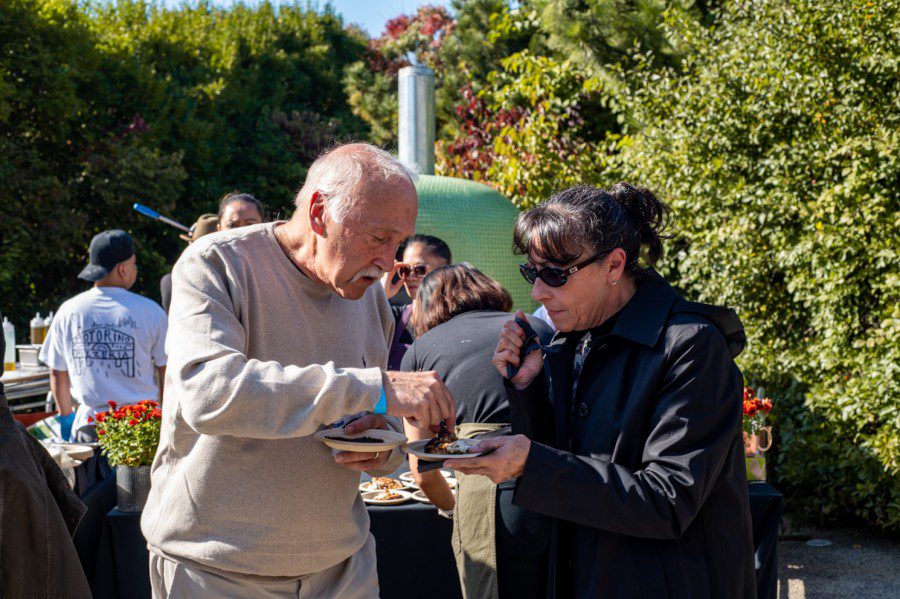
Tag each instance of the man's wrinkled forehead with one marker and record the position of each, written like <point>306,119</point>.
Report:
<point>388,206</point>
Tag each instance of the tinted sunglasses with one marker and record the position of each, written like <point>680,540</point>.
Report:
<point>420,270</point>
<point>553,276</point>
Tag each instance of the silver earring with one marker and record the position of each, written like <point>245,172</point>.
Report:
<point>614,283</point>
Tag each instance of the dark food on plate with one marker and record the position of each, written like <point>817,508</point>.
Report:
<point>385,483</point>
<point>387,496</point>
<point>357,439</point>
<point>446,443</point>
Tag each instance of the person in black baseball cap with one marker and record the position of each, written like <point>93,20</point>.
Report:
<point>111,256</point>
<point>106,343</point>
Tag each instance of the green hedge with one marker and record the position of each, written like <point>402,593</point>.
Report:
<point>777,146</point>
<point>106,104</point>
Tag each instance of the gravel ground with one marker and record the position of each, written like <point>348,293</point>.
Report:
<point>858,564</point>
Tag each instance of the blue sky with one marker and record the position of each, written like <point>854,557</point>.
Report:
<point>371,15</point>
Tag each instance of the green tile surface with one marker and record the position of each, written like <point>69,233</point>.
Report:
<point>477,223</point>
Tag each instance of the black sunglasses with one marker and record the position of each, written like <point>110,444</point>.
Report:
<point>419,269</point>
<point>553,276</point>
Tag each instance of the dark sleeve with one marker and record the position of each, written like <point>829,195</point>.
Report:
<point>397,311</point>
<point>530,411</point>
<point>409,363</point>
<point>692,428</point>
<point>165,291</point>
<point>545,333</point>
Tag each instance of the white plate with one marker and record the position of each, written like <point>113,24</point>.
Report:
<point>369,497</point>
<point>421,497</point>
<point>369,486</point>
<point>389,440</point>
<point>408,478</point>
<point>76,451</point>
<point>417,448</point>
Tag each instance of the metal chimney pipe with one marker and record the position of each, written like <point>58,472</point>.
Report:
<point>416,118</point>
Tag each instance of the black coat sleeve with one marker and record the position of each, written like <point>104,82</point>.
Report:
<point>693,426</point>
<point>530,411</point>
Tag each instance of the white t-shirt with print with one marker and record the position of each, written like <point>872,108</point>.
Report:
<point>110,341</point>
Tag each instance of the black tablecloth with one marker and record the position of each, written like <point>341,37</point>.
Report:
<point>99,499</point>
<point>413,546</point>
<point>414,553</point>
<point>766,506</point>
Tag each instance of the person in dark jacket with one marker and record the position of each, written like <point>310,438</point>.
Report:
<point>459,313</point>
<point>38,514</point>
<point>629,421</point>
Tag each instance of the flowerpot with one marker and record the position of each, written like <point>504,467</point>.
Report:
<point>751,445</point>
<point>755,444</point>
<point>132,487</point>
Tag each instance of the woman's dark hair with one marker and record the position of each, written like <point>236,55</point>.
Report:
<point>237,196</point>
<point>433,245</point>
<point>451,290</point>
<point>625,216</point>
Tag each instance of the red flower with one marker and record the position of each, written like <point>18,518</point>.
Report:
<point>766,405</point>
<point>157,413</point>
<point>90,419</point>
<point>101,432</point>
<point>112,404</point>
<point>750,408</point>
<point>101,416</point>
<point>132,422</point>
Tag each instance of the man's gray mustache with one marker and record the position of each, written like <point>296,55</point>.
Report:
<point>372,271</point>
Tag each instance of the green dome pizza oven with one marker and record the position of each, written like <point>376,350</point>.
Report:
<point>477,223</point>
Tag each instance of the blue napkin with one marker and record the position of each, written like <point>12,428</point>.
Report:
<point>532,342</point>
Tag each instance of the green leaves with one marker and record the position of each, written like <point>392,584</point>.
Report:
<point>241,98</point>
<point>777,147</point>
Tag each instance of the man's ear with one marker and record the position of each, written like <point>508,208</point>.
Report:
<point>317,212</point>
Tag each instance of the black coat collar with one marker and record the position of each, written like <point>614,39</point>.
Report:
<point>643,318</point>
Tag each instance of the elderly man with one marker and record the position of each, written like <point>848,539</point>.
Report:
<point>278,331</point>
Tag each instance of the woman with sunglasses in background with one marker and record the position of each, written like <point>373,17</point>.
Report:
<point>420,255</point>
<point>629,421</point>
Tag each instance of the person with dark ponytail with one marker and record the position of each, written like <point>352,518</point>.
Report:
<point>627,426</point>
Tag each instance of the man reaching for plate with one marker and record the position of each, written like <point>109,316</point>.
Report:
<point>277,331</point>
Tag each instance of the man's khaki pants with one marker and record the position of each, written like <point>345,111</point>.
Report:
<point>354,578</point>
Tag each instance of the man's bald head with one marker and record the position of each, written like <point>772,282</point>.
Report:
<point>345,175</point>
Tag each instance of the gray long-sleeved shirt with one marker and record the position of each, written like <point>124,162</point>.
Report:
<point>260,358</point>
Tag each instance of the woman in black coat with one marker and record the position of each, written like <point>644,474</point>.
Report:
<point>629,422</point>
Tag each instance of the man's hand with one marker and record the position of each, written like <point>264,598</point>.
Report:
<point>420,397</point>
<point>356,460</point>
<point>506,462</point>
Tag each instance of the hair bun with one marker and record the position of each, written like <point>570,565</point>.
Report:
<point>649,214</point>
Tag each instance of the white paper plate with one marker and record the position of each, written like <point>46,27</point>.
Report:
<point>369,497</point>
<point>417,448</point>
<point>421,497</point>
<point>408,478</point>
<point>77,451</point>
<point>389,440</point>
<point>369,486</point>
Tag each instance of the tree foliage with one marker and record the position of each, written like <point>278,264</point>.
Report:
<point>107,104</point>
<point>777,146</point>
